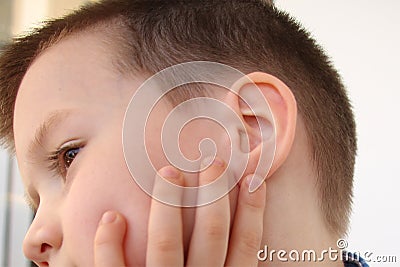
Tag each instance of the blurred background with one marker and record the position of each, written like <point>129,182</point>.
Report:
<point>361,37</point>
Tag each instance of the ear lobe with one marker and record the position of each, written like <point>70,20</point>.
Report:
<point>256,116</point>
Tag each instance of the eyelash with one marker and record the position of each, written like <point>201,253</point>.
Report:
<point>31,203</point>
<point>57,159</point>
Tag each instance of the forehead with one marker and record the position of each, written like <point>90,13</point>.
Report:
<point>74,74</point>
<point>77,62</point>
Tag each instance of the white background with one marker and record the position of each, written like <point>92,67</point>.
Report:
<point>363,40</point>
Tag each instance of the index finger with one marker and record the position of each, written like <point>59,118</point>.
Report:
<point>108,244</point>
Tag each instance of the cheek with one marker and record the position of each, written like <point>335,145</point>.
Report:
<point>92,193</point>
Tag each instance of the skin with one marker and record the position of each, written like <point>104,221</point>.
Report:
<point>68,230</point>
<point>70,207</point>
<point>98,179</point>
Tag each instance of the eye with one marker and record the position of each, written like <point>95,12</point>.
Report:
<point>62,158</point>
<point>69,156</point>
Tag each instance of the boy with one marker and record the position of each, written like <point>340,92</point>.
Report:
<point>64,93</point>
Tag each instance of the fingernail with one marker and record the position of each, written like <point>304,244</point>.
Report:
<point>254,181</point>
<point>108,217</point>
<point>215,161</point>
<point>169,172</point>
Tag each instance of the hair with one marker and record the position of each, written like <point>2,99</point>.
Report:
<point>251,35</point>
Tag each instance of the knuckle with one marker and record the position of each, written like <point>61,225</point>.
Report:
<point>250,242</point>
<point>101,242</point>
<point>101,239</point>
<point>165,243</point>
<point>216,229</point>
<point>254,205</point>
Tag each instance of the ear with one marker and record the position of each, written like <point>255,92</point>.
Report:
<point>259,122</point>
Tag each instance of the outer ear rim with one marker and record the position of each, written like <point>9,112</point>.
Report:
<point>284,138</point>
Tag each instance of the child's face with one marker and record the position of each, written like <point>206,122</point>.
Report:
<point>70,97</point>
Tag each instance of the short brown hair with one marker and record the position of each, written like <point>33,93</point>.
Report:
<point>250,35</point>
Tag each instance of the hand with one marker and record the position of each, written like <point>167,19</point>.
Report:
<point>210,245</point>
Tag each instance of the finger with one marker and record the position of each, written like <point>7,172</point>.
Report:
<point>248,225</point>
<point>209,242</point>
<point>108,242</point>
<point>165,242</point>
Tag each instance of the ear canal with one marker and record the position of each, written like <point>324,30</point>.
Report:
<point>257,115</point>
<point>260,130</point>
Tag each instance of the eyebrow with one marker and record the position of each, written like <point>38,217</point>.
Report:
<point>42,132</point>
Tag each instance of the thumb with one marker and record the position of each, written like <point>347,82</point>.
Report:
<point>108,242</point>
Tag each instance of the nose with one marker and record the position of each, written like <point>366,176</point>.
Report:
<point>43,238</point>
